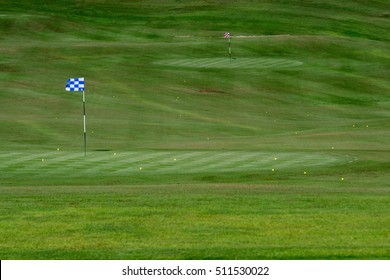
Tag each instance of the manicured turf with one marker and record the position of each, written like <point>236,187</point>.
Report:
<point>43,165</point>
<point>234,63</point>
<point>280,153</point>
<point>201,221</point>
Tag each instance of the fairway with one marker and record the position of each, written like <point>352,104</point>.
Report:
<point>70,164</point>
<point>281,151</point>
<point>260,63</point>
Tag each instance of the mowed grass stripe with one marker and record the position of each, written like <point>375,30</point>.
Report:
<point>245,63</point>
<point>203,62</point>
<point>208,162</point>
<point>227,63</point>
<point>252,162</point>
<point>185,161</point>
<point>15,163</point>
<point>181,162</point>
<point>110,164</point>
<point>155,161</point>
<point>218,63</point>
<point>71,163</point>
<point>13,160</point>
<point>304,160</point>
<point>232,162</point>
<point>56,163</point>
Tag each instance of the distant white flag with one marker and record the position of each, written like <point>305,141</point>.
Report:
<point>75,84</point>
<point>227,36</point>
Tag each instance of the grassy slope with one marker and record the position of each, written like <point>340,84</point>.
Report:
<point>338,98</point>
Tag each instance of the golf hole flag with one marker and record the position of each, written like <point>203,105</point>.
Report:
<point>226,35</point>
<point>75,84</point>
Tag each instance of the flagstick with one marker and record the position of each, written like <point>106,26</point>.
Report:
<point>85,127</point>
<point>230,51</point>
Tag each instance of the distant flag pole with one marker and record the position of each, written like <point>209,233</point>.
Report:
<point>85,126</point>
<point>77,84</point>
<point>227,36</point>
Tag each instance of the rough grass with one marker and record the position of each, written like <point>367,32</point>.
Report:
<point>327,117</point>
<point>219,221</point>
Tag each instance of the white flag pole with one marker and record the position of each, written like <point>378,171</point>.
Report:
<point>85,127</point>
<point>227,36</point>
<point>77,84</point>
<point>230,50</point>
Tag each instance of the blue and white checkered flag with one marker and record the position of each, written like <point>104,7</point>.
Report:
<point>75,84</point>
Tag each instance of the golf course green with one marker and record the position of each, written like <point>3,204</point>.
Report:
<point>281,151</point>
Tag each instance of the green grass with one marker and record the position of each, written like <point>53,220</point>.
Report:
<point>201,221</point>
<point>120,166</point>
<point>281,154</point>
<point>233,63</point>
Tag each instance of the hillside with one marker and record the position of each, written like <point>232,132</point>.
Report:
<point>302,109</point>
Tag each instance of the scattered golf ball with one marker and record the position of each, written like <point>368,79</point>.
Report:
<point>305,172</point>
<point>43,159</point>
<point>332,148</point>
<point>342,178</point>
<point>58,149</point>
<point>276,158</point>
<point>174,159</point>
<point>140,168</point>
<point>273,169</point>
<point>114,154</point>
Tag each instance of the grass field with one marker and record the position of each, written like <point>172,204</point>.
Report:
<point>280,153</point>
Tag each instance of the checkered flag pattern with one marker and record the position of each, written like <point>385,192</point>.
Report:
<point>75,84</point>
<point>227,35</point>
